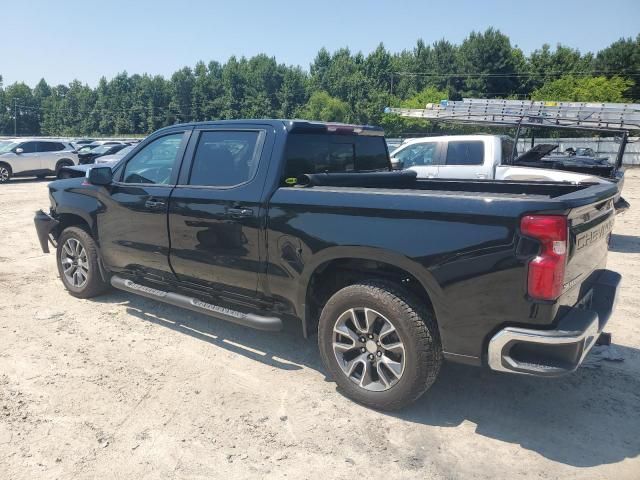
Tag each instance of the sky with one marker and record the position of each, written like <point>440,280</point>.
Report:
<point>63,40</point>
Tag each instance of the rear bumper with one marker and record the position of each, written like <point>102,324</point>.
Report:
<point>44,225</point>
<point>562,350</point>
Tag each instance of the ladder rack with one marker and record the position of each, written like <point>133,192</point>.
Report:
<point>580,115</point>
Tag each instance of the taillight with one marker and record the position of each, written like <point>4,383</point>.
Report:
<point>546,270</point>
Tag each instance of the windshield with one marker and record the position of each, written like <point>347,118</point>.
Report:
<point>123,152</point>
<point>102,149</point>
<point>7,146</point>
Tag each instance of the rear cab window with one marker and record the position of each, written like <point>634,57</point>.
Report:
<point>465,152</point>
<point>309,153</point>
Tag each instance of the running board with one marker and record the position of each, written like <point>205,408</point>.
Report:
<point>271,324</point>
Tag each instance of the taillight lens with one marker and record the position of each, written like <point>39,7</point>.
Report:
<point>546,270</point>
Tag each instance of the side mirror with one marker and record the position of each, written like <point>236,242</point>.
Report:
<point>100,175</point>
<point>396,164</point>
<point>19,150</point>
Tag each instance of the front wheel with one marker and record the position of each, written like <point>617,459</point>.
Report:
<point>77,258</point>
<point>380,344</point>
<point>5,173</point>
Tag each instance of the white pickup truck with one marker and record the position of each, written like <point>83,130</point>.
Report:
<point>473,157</point>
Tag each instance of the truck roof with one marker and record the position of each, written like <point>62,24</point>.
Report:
<point>293,126</point>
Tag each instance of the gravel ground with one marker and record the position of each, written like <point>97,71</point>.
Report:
<point>122,387</point>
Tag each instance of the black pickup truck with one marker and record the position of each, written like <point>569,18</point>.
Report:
<point>260,221</point>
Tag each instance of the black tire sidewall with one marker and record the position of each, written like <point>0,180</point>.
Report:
<point>94,284</point>
<point>387,304</point>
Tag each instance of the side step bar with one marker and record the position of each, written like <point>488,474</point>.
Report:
<point>271,324</point>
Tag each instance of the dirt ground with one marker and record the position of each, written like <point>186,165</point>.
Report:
<point>122,387</point>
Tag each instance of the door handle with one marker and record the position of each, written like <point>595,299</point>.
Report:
<point>239,212</point>
<point>153,203</point>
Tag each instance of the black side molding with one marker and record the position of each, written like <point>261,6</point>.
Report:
<point>259,322</point>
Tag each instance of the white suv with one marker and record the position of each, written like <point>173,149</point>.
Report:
<point>33,157</point>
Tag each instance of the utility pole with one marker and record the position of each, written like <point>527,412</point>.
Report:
<point>15,117</point>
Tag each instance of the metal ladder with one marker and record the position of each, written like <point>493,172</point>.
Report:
<point>608,116</point>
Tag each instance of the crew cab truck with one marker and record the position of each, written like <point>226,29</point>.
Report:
<point>490,157</point>
<point>260,221</point>
<point>473,157</point>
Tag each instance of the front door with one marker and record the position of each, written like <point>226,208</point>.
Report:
<point>423,158</point>
<point>215,211</point>
<point>26,159</point>
<point>133,224</point>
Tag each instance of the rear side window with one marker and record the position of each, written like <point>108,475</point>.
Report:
<point>465,153</point>
<point>309,153</point>
<point>50,146</point>
<point>225,158</point>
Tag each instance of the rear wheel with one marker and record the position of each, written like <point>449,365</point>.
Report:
<point>5,173</point>
<point>77,258</point>
<point>61,164</point>
<point>380,344</point>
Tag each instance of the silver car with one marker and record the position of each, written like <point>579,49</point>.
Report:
<point>34,157</point>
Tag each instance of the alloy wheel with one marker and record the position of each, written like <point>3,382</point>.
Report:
<point>75,264</point>
<point>368,349</point>
<point>4,174</point>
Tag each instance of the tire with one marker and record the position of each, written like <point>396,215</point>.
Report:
<point>62,163</point>
<point>420,353</point>
<point>5,173</point>
<point>86,264</point>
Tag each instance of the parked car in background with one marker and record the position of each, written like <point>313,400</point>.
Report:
<point>34,157</point>
<point>87,157</point>
<point>82,142</point>
<point>114,157</point>
<point>490,157</point>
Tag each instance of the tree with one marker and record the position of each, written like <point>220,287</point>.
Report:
<point>621,58</point>
<point>324,107</point>
<point>584,89</point>
<point>489,64</point>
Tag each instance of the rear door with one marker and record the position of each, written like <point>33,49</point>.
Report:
<point>133,222</point>
<point>216,214</point>
<point>49,154</point>
<point>465,159</point>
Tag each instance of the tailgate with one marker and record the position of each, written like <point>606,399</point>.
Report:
<point>589,231</point>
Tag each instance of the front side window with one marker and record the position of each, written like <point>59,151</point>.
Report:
<point>28,147</point>
<point>420,154</point>
<point>465,153</point>
<point>225,158</point>
<point>155,162</point>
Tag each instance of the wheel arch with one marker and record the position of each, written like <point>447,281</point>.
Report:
<point>341,266</point>
<point>72,218</point>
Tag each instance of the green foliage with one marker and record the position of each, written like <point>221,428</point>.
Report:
<point>339,86</point>
<point>322,106</point>
<point>584,89</point>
